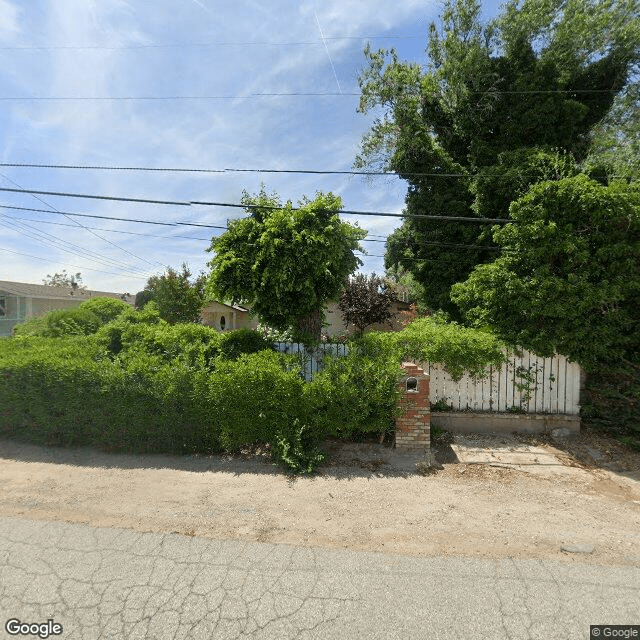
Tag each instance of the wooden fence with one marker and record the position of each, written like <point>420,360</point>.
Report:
<point>529,383</point>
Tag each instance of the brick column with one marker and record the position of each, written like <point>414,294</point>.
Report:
<point>413,427</point>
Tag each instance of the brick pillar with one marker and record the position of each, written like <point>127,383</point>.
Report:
<point>413,427</point>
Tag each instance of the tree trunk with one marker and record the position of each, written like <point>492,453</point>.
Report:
<point>308,327</point>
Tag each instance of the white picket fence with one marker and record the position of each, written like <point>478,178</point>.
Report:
<point>554,386</point>
<point>529,382</point>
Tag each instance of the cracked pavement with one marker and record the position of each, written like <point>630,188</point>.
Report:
<point>119,583</point>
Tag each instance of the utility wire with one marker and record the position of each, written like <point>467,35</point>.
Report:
<point>89,215</point>
<point>79,224</point>
<point>171,45</point>
<point>315,94</point>
<point>31,165</point>
<point>50,240</point>
<point>188,203</point>
<point>28,255</point>
<point>153,235</point>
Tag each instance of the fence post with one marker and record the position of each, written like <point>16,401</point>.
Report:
<point>413,427</point>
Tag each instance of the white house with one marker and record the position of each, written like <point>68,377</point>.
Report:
<point>20,301</point>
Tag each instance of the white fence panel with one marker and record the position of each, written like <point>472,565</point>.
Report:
<point>528,382</point>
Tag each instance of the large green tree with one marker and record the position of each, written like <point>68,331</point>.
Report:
<point>286,262</point>
<point>569,279</point>
<point>521,93</point>
<point>569,282</point>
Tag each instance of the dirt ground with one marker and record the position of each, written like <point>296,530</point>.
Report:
<point>493,496</point>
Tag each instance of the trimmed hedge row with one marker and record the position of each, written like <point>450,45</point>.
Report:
<point>139,384</point>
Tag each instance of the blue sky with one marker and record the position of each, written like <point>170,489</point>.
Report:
<point>181,48</point>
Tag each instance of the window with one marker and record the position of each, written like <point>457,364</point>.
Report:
<point>222,323</point>
<point>3,307</point>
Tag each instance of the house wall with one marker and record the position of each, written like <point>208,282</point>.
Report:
<point>21,308</point>
<point>212,314</point>
<point>337,326</point>
<point>40,306</point>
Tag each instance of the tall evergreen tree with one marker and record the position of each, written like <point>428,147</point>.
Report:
<point>501,106</point>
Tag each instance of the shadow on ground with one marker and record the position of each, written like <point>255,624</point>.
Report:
<point>344,460</point>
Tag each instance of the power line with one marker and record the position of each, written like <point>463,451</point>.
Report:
<point>32,165</point>
<point>133,233</point>
<point>315,94</point>
<point>89,215</point>
<point>188,203</point>
<point>151,235</point>
<point>437,244</point>
<point>58,243</point>
<point>28,255</point>
<point>172,45</point>
<point>79,224</point>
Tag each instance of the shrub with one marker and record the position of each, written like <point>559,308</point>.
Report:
<point>107,309</point>
<point>235,343</point>
<point>192,344</point>
<point>357,393</point>
<point>65,392</point>
<point>457,348</point>
<point>61,322</point>
<point>258,395</point>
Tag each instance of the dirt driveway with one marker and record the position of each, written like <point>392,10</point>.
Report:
<point>494,496</point>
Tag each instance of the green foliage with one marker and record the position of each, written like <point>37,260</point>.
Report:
<point>459,349</point>
<point>612,398</point>
<point>357,393</point>
<point>61,322</point>
<point>259,395</point>
<point>178,299</point>
<point>63,392</point>
<point>440,405</point>
<point>107,309</point>
<point>365,300</point>
<point>285,262</point>
<point>535,83</point>
<point>615,146</point>
<point>297,449</point>
<point>73,281</point>
<point>235,343</point>
<point>570,281</point>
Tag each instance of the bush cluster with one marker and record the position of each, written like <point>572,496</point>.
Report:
<point>137,383</point>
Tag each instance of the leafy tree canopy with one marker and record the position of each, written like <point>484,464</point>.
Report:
<point>569,277</point>
<point>286,262</point>
<point>521,95</point>
<point>74,281</point>
<point>178,299</point>
<point>366,300</point>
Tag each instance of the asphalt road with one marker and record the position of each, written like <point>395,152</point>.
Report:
<point>117,583</point>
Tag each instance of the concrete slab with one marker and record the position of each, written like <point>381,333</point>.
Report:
<point>505,451</point>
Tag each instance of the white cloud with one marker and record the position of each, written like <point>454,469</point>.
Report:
<point>276,132</point>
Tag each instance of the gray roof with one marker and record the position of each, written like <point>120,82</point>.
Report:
<point>58,293</point>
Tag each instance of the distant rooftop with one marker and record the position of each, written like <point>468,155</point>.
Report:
<point>48,292</point>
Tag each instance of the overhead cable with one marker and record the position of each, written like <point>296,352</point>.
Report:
<point>286,94</point>
<point>28,255</point>
<point>188,203</point>
<point>33,165</point>
<point>79,224</point>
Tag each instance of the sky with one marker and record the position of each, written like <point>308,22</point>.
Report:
<point>174,84</point>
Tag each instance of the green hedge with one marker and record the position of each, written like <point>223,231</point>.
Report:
<point>142,385</point>
<point>357,393</point>
<point>64,392</point>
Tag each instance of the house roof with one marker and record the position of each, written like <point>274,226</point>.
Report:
<point>48,292</point>
<point>235,307</point>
